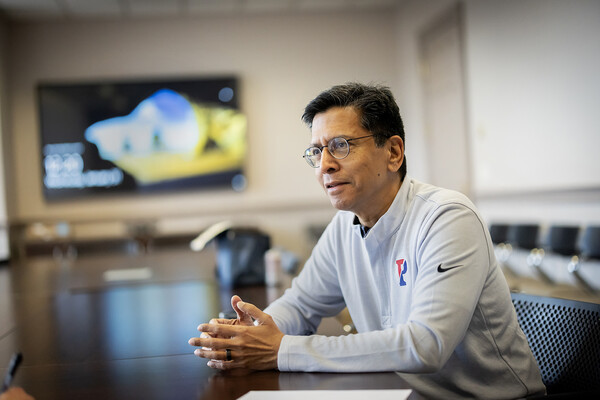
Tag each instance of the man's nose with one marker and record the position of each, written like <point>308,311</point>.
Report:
<point>328,162</point>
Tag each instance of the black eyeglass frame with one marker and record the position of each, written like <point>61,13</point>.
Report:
<point>307,157</point>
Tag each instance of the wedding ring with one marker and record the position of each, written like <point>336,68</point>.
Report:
<point>228,354</point>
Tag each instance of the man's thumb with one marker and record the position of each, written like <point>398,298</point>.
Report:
<point>254,312</point>
<point>242,315</point>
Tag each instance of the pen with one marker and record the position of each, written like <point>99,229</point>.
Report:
<point>12,370</point>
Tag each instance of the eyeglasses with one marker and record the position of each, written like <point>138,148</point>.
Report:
<point>338,147</point>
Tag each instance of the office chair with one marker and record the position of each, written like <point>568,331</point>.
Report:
<point>563,240</point>
<point>526,237</point>
<point>499,233</point>
<point>523,236</point>
<point>564,336</point>
<point>503,249</point>
<point>590,242</point>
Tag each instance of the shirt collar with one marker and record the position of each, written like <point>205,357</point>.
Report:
<point>389,222</point>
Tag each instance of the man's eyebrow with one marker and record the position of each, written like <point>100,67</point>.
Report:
<point>312,144</point>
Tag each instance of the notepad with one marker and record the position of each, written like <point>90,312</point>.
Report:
<point>383,394</point>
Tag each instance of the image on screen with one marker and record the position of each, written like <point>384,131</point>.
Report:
<point>140,137</point>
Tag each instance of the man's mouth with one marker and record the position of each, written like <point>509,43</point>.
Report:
<point>334,184</point>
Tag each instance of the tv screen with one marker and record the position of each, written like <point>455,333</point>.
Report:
<point>140,136</point>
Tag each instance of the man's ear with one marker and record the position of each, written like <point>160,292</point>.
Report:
<point>396,153</point>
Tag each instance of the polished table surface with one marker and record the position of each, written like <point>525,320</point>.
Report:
<point>85,337</point>
<point>178,377</point>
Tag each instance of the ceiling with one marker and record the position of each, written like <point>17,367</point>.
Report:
<point>115,9</point>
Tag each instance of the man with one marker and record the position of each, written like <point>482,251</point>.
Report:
<point>413,263</point>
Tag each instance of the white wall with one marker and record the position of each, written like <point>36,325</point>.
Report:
<point>533,94</point>
<point>282,63</point>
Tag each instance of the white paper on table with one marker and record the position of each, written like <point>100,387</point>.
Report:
<point>383,394</point>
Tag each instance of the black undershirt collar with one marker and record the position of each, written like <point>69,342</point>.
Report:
<point>363,229</point>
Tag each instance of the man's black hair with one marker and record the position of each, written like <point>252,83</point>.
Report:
<point>375,104</point>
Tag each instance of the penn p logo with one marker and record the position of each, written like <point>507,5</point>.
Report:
<point>402,268</point>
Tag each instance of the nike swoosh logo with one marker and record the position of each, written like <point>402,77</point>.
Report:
<point>440,269</point>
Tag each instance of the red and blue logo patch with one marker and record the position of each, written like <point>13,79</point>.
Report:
<point>402,268</point>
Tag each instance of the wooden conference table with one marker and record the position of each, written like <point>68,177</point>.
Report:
<point>84,336</point>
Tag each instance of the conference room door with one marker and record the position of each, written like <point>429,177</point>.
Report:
<point>444,101</point>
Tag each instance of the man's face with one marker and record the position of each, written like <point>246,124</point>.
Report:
<point>360,182</point>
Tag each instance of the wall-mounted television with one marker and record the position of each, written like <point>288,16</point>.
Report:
<point>139,136</point>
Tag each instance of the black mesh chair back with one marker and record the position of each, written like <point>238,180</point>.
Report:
<point>590,242</point>
<point>563,240</point>
<point>523,236</point>
<point>564,336</point>
<point>498,233</point>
